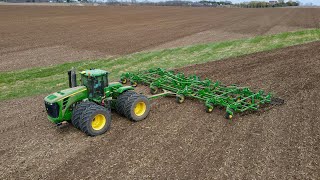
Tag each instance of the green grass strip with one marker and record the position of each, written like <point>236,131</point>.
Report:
<point>44,80</point>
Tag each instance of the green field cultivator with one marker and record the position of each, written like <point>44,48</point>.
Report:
<point>88,105</point>
<point>233,98</point>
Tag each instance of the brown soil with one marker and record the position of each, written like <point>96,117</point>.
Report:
<point>181,140</point>
<point>44,35</point>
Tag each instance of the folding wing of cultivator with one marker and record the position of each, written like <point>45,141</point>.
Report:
<point>233,98</point>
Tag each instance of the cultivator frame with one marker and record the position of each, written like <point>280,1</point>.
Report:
<point>233,98</point>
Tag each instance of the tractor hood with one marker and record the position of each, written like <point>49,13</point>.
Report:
<point>57,96</point>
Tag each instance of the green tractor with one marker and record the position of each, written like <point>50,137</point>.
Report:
<point>88,106</point>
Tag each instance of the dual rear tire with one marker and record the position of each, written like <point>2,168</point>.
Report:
<point>133,106</point>
<point>91,118</point>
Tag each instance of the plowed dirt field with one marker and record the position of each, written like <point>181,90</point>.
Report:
<point>181,140</point>
<point>44,35</point>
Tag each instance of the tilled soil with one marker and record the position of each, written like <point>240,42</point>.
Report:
<point>181,141</point>
<point>33,36</point>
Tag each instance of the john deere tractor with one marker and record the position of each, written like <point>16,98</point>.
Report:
<point>88,106</point>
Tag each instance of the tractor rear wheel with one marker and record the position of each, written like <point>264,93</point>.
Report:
<point>95,120</point>
<point>137,107</point>
<point>121,101</point>
<point>78,110</point>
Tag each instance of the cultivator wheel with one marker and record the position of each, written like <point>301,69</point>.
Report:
<point>95,120</point>
<point>228,115</point>
<point>134,84</point>
<point>180,98</point>
<point>124,81</point>
<point>154,90</point>
<point>209,108</point>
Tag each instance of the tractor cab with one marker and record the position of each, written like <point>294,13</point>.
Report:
<point>95,80</point>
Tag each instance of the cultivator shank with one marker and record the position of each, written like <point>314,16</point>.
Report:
<point>233,98</point>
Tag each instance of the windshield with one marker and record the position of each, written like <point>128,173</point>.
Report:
<point>95,85</point>
<point>84,80</point>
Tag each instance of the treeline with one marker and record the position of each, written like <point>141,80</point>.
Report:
<point>215,3</point>
<point>172,3</point>
<point>202,3</point>
<point>206,3</point>
<point>262,4</point>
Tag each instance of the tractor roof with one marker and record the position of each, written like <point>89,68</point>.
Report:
<point>94,72</point>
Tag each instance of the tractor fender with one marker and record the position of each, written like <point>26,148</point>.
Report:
<point>124,88</point>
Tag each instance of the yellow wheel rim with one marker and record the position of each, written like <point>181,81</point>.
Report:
<point>98,122</point>
<point>124,81</point>
<point>134,84</point>
<point>140,108</point>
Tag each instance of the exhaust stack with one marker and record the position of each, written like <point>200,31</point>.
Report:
<point>72,76</point>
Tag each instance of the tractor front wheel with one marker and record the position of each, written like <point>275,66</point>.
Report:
<point>77,112</point>
<point>122,100</point>
<point>95,120</point>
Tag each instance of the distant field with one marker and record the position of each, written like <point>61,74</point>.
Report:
<point>42,35</point>
<point>21,83</point>
<point>175,141</point>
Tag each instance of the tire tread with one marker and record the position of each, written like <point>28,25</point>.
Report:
<point>77,112</point>
<point>86,116</point>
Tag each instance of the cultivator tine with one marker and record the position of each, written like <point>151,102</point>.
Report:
<point>233,98</point>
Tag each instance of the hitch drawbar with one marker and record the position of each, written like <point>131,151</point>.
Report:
<point>233,98</point>
<point>62,124</point>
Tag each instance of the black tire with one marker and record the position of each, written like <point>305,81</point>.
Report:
<point>137,107</point>
<point>95,113</point>
<point>77,112</point>
<point>121,101</point>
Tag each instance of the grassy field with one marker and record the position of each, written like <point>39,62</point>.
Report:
<point>22,83</point>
